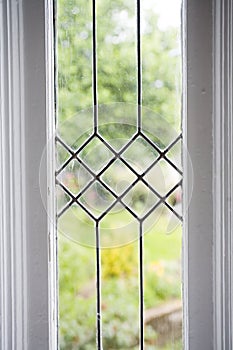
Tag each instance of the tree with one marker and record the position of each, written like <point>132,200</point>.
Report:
<point>116,52</point>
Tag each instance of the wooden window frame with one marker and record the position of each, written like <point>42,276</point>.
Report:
<point>27,244</point>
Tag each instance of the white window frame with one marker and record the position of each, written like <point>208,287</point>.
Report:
<point>27,247</point>
<point>197,133</point>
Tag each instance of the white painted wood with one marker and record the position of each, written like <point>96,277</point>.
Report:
<point>222,186</point>
<point>24,223</point>
<point>12,190</point>
<point>35,141</point>
<point>50,166</point>
<point>197,132</point>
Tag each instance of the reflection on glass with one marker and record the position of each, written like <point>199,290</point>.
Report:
<point>117,179</point>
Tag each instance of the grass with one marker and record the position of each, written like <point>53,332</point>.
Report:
<point>77,226</point>
<point>119,280</point>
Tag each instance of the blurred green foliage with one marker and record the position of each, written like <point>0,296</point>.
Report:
<point>119,289</point>
<point>116,58</point>
<point>117,84</point>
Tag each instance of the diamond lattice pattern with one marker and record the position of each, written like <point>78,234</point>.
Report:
<point>139,176</point>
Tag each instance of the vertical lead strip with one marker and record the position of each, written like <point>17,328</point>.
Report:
<point>98,289</point>
<point>141,287</point>
<point>139,67</point>
<point>139,121</point>
<point>95,117</point>
<point>94,67</point>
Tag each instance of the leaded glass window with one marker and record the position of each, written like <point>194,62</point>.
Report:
<point>119,175</point>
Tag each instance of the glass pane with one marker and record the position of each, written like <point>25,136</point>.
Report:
<point>161,63</point>
<point>77,295</point>
<point>74,34</point>
<point>162,278</point>
<point>119,174</point>
<point>116,42</point>
<point>119,302</point>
